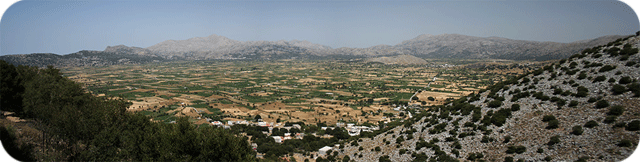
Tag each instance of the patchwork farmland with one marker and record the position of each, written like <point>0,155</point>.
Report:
<point>290,91</point>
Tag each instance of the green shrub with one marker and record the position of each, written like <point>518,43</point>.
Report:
<point>573,103</point>
<point>547,118</point>
<point>508,159</point>
<point>620,125</point>
<point>582,75</point>
<point>633,125</point>
<point>506,139</point>
<point>635,88</point>
<point>540,150</point>
<point>592,100</point>
<point>618,89</point>
<point>548,158</point>
<point>609,119</point>
<point>625,80</point>
<point>576,130</point>
<point>616,110</point>
<point>606,68</point>
<point>602,104</point>
<point>582,92</point>
<point>516,149</point>
<point>553,124</point>
<point>630,63</point>
<point>515,107</point>
<point>591,124</point>
<point>495,103</point>
<point>377,149</point>
<point>625,143</point>
<point>599,79</point>
<point>583,159</point>
<point>554,140</point>
<point>611,80</point>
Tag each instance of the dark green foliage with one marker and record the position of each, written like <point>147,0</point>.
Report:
<point>618,89</point>
<point>611,80</point>
<point>377,149</point>
<point>625,143</point>
<point>540,150</point>
<point>616,110</point>
<point>22,152</point>
<point>553,124</point>
<point>582,92</point>
<point>609,119</point>
<point>11,87</point>
<point>630,63</point>
<point>582,75</point>
<point>599,79</point>
<point>554,140</point>
<point>508,159</point>
<point>515,107</point>
<point>633,125</point>
<point>516,149</point>
<point>573,104</point>
<point>500,117</point>
<point>591,124</point>
<point>592,100</point>
<point>583,159</point>
<point>495,103</point>
<point>602,104</point>
<point>576,130</point>
<point>384,159</point>
<point>100,129</point>
<point>635,88</point>
<point>607,68</point>
<point>625,80</point>
<point>474,156</point>
<point>547,118</point>
<point>620,125</point>
<point>548,158</point>
<point>506,139</point>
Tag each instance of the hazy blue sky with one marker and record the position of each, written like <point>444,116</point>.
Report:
<point>65,27</point>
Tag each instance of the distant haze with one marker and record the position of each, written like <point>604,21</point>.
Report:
<point>65,27</point>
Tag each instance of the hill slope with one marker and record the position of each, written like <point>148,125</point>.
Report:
<point>584,107</point>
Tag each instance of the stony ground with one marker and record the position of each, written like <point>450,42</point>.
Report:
<point>556,88</point>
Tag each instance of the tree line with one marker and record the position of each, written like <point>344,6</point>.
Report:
<point>76,126</point>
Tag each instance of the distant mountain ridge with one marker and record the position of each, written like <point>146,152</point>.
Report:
<point>423,46</point>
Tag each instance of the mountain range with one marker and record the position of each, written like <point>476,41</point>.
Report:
<point>220,47</point>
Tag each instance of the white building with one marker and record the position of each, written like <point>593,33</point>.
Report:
<point>278,139</point>
<point>323,150</point>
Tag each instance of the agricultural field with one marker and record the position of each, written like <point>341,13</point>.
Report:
<point>326,91</point>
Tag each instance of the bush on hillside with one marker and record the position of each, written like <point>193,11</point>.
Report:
<point>554,140</point>
<point>591,124</point>
<point>602,104</point>
<point>633,125</point>
<point>616,110</point>
<point>576,130</point>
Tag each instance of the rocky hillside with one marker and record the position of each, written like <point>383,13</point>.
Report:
<point>581,108</point>
<point>82,58</point>
<point>400,59</point>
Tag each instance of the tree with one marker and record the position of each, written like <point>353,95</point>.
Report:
<point>602,104</point>
<point>554,140</point>
<point>576,130</point>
